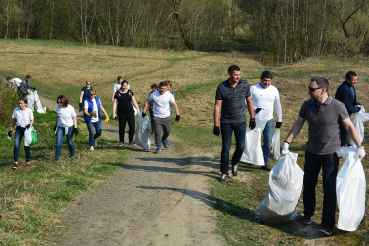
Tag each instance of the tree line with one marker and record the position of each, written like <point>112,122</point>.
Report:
<point>282,30</point>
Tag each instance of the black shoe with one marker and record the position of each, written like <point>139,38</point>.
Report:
<point>223,178</point>
<point>325,231</point>
<point>306,220</point>
<point>234,169</point>
<point>266,167</point>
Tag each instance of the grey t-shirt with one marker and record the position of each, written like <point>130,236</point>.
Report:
<point>324,137</point>
<point>233,101</point>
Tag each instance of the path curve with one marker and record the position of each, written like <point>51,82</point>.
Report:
<point>155,199</point>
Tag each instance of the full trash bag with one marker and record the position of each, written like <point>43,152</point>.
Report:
<point>275,152</point>
<point>351,189</point>
<point>253,153</point>
<point>38,106</point>
<point>358,121</point>
<point>143,132</point>
<point>30,100</point>
<point>30,136</point>
<point>285,184</point>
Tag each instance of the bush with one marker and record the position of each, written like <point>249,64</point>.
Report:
<point>8,102</point>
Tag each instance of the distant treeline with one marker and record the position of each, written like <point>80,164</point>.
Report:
<point>283,30</point>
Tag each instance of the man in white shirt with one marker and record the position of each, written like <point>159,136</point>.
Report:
<point>161,99</point>
<point>265,96</point>
<point>15,82</point>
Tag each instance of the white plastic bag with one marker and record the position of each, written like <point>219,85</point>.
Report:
<point>285,184</point>
<point>38,106</point>
<point>253,153</point>
<point>351,190</point>
<point>143,132</point>
<point>30,100</point>
<point>134,109</point>
<point>275,152</point>
<point>358,122</point>
<point>28,136</point>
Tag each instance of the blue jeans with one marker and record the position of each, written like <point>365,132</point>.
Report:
<point>329,164</point>
<point>60,132</point>
<point>267,139</point>
<point>92,135</point>
<point>19,133</point>
<point>239,130</point>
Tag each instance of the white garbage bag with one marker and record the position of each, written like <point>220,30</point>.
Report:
<point>38,106</point>
<point>134,109</point>
<point>143,132</point>
<point>358,121</point>
<point>351,190</point>
<point>28,136</point>
<point>275,152</point>
<point>285,184</point>
<point>30,100</point>
<point>253,153</point>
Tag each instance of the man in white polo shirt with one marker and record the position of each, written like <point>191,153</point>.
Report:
<point>15,82</point>
<point>161,99</point>
<point>265,96</point>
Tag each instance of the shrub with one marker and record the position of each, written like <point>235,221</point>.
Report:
<point>8,101</point>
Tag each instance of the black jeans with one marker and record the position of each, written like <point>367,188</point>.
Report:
<point>123,118</point>
<point>329,164</point>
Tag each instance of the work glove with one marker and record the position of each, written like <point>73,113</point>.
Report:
<point>28,126</point>
<point>360,153</point>
<point>252,124</point>
<point>143,115</point>
<point>278,125</point>
<point>75,131</point>
<point>54,128</point>
<point>177,118</point>
<point>357,109</point>
<point>10,134</point>
<point>80,105</point>
<point>107,119</point>
<point>257,110</point>
<point>285,148</point>
<point>216,130</point>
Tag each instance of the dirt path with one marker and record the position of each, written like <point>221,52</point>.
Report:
<point>155,199</point>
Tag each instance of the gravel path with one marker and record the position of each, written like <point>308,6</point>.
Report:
<point>155,199</point>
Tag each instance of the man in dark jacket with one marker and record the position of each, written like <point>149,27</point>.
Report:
<point>346,93</point>
<point>25,85</point>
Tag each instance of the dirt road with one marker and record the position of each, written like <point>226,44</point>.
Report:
<point>155,199</point>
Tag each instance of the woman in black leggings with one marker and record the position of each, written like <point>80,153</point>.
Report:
<point>126,101</point>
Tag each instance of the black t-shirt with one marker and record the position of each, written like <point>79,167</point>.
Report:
<point>124,101</point>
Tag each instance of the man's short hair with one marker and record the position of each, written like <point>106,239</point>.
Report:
<point>8,78</point>
<point>233,68</point>
<point>119,78</point>
<point>154,86</point>
<point>163,83</point>
<point>28,76</point>
<point>350,74</point>
<point>266,74</point>
<point>321,82</point>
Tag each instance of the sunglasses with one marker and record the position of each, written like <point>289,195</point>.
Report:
<point>313,89</point>
<point>88,84</point>
<point>92,94</point>
<point>59,102</point>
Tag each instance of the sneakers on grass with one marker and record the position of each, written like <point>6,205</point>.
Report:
<point>326,231</point>
<point>92,148</point>
<point>120,144</point>
<point>266,167</point>
<point>132,143</point>
<point>306,220</point>
<point>158,150</point>
<point>15,166</point>
<point>165,143</point>
<point>234,169</point>
<point>223,178</point>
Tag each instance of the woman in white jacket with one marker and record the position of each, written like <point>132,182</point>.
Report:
<point>66,124</point>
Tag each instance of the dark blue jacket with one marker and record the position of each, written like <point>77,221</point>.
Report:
<point>344,95</point>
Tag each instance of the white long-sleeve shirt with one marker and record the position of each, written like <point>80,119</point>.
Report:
<point>266,98</point>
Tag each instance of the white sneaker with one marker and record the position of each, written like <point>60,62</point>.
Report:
<point>120,144</point>
<point>92,148</point>
<point>95,143</point>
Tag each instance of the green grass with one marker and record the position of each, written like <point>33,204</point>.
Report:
<point>32,198</point>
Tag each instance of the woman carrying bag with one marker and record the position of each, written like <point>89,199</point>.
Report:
<point>66,124</point>
<point>22,119</point>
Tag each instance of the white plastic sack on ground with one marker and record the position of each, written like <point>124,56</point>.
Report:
<point>28,136</point>
<point>38,106</point>
<point>285,184</point>
<point>351,189</point>
<point>275,152</point>
<point>253,153</point>
<point>358,121</point>
<point>143,132</point>
<point>30,100</point>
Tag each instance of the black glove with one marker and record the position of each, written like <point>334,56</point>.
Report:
<point>357,109</point>
<point>177,118</point>
<point>28,126</point>
<point>143,115</point>
<point>278,124</point>
<point>252,124</point>
<point>54,128</point>
<point>216,130</point>
<point>75,131</point>
<point>34,89</point>
<point>10,134</point>
<point>80,105</point>
<point>258,109</point>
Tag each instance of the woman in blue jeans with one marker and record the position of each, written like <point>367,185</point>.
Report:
<point>23,119</point>
<point>66,124</point>
<point>92,107</point>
